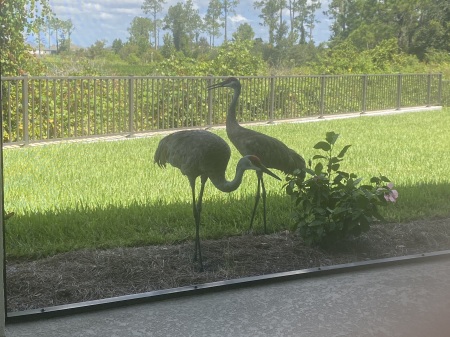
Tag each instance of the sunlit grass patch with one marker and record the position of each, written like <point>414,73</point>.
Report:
<point>105,194</point>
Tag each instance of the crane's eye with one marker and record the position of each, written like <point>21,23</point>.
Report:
<point>255,160</point>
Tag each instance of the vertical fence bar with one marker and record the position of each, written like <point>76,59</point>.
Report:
<point>47,109</point>
<point>41,121</point>
<point>61,108</point>
<point>152,107</point>
<point>364,94</point>
<point>54,109</point>
<point>399,91</point>
<point>115,114</point>
<point>17,116</point>
<point>172,102</point>
<point>26,138</point>
<point>162,105</point>
<point>322,96</point>
<point>94,84</point>
<point>130,104</point>
<point>210,101</point>
<point>69,124</point>
<point>428,90</point>
<point>32,106</point>
<point>8,119</point>
<point>271,98</point>
<point>75,106</point>
<point>440,90</point>
<point>88,110</point>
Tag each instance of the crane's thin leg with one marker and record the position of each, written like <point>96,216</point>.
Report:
<point>197,229</point>
<point>258,195</point>
<point>264,203</point>
<point>197,223</point>
<point>194,211</point>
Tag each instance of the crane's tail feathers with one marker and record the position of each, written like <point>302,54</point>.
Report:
<point>160,157</point>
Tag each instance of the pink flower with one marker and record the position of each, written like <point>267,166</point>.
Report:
<point>391,195</point>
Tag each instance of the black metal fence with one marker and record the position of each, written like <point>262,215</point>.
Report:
<point>46,108</point>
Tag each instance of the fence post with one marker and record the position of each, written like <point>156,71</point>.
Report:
<point>210,101</point>
<point>26,137</point>
<point>364,94</point>
<point>322,95</point>
<point>271,97</point>
<point>428,90</point>
<point>399,91</point>
<point>130,105</point>
<point>440,90</point>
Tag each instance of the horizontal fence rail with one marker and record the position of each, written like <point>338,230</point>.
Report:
<point>50,108</point>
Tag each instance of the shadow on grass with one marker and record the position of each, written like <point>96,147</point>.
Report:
<point>35,235</point>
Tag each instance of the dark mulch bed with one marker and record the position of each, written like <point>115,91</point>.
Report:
<point>95,274</point>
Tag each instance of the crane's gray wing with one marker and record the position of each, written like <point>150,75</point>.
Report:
<point>194,152</point>
<point>272,152</point>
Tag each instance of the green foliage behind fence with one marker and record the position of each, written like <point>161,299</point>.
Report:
<point>44,108</point>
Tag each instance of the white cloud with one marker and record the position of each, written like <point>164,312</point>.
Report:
<point>238,19</point>
<point>106,16</point>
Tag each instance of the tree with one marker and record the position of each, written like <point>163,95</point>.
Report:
<point>433,32</point>
<point>154,7</point>
<point>97,49</point>
<point>238,58</point>
<point>140,33</point>
<point>271,13</point>
<point>39,32</point>
<point>57,25</point>
<point>311,8</point>
<point>212,20</point>
<point>417,25</point>
<point>202,49</point>
<point>65,33</point>
<point>228,6</point>
<point>184,22</point>
<point>338,11</point>
<point>117,45</point>
<point>59,29</point>
<point>297,16</point>
<point>19,18</point>
<point>168,49</point>
<point>244,32</point>
<point>69,28</point>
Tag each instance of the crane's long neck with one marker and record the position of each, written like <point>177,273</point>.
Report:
<point>231,116</point>
<point>224,185</point>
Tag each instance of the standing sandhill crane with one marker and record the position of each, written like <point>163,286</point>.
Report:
<point>202,153</point>
<point>272,152</point>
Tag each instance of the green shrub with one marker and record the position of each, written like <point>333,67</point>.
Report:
<point>237,58</point>
<point>332,205</point>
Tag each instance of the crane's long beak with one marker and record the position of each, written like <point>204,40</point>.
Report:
<point>217,85</point>
<point>270,173</point>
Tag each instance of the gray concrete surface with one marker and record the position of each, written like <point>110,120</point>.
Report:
<point>410,300</point>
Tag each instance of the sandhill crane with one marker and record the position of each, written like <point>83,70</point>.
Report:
<point>272,152</point>
<point>202,153</point>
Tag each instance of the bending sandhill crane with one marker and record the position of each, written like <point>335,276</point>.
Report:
<point>272,152</point>
<point>199,153</point>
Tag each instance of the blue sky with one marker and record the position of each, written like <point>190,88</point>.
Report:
<point>109,19</point>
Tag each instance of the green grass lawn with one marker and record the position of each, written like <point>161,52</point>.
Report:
<point>108,194</point>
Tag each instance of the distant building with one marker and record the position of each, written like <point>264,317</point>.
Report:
<point>49,51</point>
<point>43,50</point>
